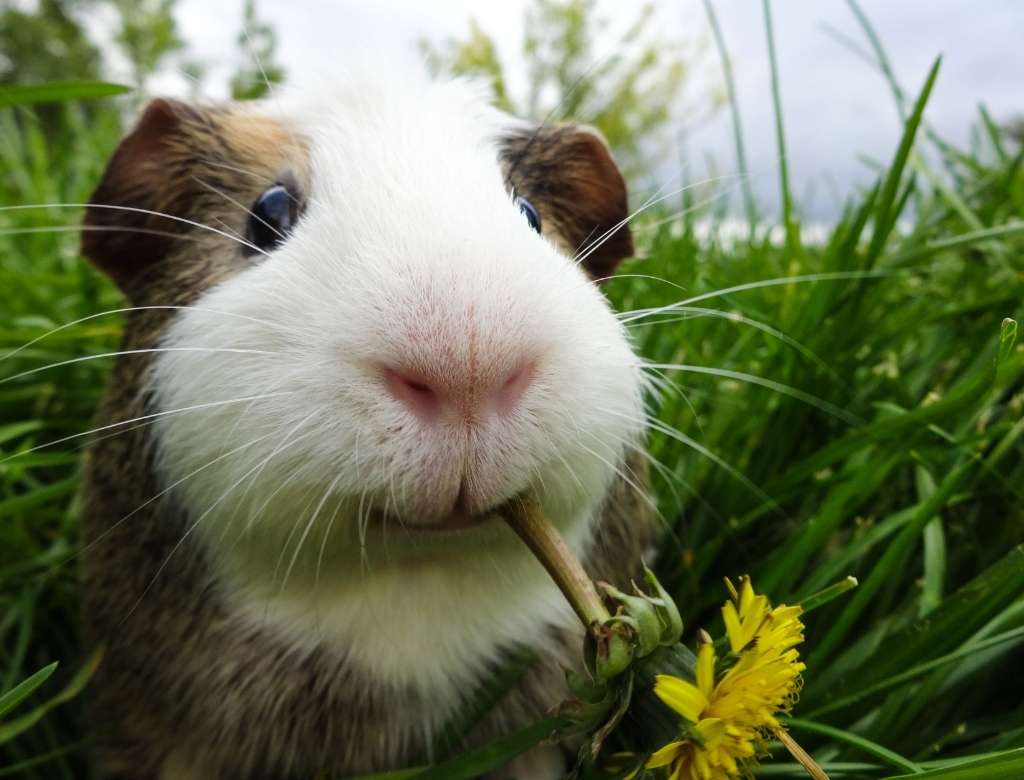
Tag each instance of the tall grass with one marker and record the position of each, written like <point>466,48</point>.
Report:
<point>851,407</point>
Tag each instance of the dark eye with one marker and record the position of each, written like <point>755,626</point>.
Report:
<point>272,217</point>
<point>531,214</point>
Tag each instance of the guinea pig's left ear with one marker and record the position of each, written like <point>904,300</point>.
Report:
<point>141,204</point>
<point>568,174</point>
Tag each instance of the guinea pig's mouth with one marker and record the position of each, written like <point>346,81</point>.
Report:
<point>459,519</point>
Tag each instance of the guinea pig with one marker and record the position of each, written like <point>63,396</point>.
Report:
<point>363,319</point>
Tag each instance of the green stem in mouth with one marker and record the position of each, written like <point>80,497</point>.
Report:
<point>548,546</point>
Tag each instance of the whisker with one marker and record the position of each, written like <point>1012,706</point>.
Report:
<point>266,80</point>
<point>734,472</point>
<point>151,416</point>
<point>569,469</point>
<point>323,544</point>
<point>311,491</point>
<point>361,523</point>
<point>629,316</point>
<point>255,479</point>
<point>678,390</point>
<point>692,207</point>
<point>135,210</point>
<point>94,229</point>
<point>583,253</point>
<point>641,276</point>
<point>682,438</point>
<point>244,208</point>
<point>212,163</point>
<point>309,526</point>
<point>562,104</point>
<point>225,226</point>
<point>764,327</point>
<point>643,494</point>
<point>387,509</point>
<point>771,384</point>
<point>164,492</point>
<point>661,468</point>
<point>650,203</point>
<point>147,351</point>
<point>188,532</point>
<point>128,309</point>
<point>671,480</point>
<point>254,516</point>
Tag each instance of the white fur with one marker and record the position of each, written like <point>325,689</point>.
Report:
<point>409,243</point>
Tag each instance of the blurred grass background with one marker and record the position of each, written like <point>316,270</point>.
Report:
<point>847,402</point>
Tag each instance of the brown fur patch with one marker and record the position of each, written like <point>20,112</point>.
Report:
<point>180,162</point>
<point>569,175</point>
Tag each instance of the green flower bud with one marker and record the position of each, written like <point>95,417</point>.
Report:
<point>644,615</point>
<point>668,612</point>
<point>613,652</point>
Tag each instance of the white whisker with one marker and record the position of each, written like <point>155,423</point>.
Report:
<point>134,210</point>
<point>166,490</point>
<point>128,309</point>
<point>309,526</point>
<point>147,351</point>
<point>188,532</point>
<point>771,384</point>
<point>244,208</point>
<point>151,416</point>
<point>697,312</point>
<point>629,316</point>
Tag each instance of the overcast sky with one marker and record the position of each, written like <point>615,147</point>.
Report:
<point>837,108</point>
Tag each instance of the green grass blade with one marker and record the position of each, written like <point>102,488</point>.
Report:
<point>23,94</point>
<point>1014,636</point>
<point>74,686</point>
<point>823,597</point>
<point>866,745</point>
<point>788,219</point>
<point>749,204</point>
<point>885,218</point>
<point>22,690</point>
<point>934,543</point>
<point>1007,766</point>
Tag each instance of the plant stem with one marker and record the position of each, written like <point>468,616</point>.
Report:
<point>801,755</point>
<point>541,536</point>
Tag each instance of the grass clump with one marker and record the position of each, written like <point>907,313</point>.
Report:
<point>845,407</point>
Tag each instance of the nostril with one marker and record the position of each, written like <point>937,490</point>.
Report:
<point>413,393</point>
<point>417,387</point>
<point>513,388</point>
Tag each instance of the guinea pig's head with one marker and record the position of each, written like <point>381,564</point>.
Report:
<point>384,321</point>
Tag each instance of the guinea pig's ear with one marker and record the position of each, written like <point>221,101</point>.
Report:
<point>568,174</point>
<point>146,174</point>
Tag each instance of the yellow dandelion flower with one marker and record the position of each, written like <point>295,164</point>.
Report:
<point>750,620</point>
<point>721,744</point>
<point>730,717</point>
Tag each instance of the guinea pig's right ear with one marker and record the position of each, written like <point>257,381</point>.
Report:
<point>135,213</point>
<point>568,173</point>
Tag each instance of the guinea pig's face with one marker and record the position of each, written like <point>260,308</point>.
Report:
<point>385,334</point>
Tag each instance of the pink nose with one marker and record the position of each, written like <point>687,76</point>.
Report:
<point>434,398</point>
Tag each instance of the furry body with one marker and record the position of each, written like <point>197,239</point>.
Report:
<point>272,576</point>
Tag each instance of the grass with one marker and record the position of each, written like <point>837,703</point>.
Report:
<point>849,407</point>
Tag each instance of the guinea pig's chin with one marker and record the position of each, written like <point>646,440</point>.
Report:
<point>282,556</point>
<point>457,521</point>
